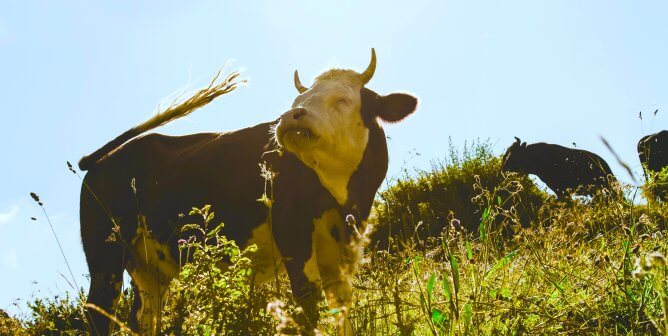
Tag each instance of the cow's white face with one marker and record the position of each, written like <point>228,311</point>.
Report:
<point>326,127</point>
<point>325,130</point>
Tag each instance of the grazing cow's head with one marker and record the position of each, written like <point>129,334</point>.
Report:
<point>514,159</point>
<point>325,128</point>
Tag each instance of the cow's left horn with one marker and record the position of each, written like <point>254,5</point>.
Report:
<point>368,73</point>
<point>298,84</point>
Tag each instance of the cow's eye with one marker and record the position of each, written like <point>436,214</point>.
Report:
<point>343,102</point>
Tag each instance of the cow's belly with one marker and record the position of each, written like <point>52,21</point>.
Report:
<point>267,259</point>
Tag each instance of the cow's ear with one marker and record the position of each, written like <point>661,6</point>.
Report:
<point>396,106</point>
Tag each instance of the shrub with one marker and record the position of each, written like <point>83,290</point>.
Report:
<point>656,187</point>
<point>56,316</point>
<point>10,325</point>
<point>463,188</point>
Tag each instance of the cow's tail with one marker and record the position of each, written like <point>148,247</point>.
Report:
<point>178,109</point>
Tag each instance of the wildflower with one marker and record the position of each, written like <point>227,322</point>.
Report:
<point>455,223</point>
<point>627,231</point>
<point>350,219</point>
<point>652,261</point>
<point>182,241</point>
<point>352,222</point>
<point>656,260</point>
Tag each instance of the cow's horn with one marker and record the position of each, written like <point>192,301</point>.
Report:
<point>517,140</point>
<point>368,73</point>
<point>298,84</point>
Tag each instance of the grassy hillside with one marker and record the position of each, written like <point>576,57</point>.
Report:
<point>459,250</point>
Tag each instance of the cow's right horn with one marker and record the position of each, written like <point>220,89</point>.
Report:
<point>368,73</point>
<point>298,84</point>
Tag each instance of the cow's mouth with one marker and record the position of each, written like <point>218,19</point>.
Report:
<point>302,131</point>
<point>297,137</point>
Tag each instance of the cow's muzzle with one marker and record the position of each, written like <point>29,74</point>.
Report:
<point>296,131</point>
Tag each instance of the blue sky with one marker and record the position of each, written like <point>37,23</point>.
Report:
<point>77,73</point>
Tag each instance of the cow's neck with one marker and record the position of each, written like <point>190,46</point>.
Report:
<point>336,179</point>
<point>335,171</point>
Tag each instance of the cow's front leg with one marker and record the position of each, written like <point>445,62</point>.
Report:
<point>338,253</point>
<point>305,291</point>
<point>339,294</point>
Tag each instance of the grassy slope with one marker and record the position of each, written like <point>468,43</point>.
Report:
<point>514,261</point>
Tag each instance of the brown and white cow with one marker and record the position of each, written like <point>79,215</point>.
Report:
<point>330,155</point>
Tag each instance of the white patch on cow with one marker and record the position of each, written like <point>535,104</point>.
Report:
<point>152,268</point>
<point>328,135</point>
<point>325,250</point>
<point>267,258</point>
<point>153,255</point>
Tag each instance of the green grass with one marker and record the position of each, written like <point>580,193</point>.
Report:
<point>471,252</point>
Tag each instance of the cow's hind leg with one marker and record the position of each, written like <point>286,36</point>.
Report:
<point>105,256</point>
<point>150,289</point>
<point>105,264</point>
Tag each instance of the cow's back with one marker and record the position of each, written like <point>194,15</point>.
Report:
<point>564,168</point>
<point>154,175</point>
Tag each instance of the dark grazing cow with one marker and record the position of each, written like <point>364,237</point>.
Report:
<point>330,156</point>
<point>561,168</point>
<point>653,154</point>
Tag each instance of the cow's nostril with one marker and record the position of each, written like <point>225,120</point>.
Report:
<point>298,113</point>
